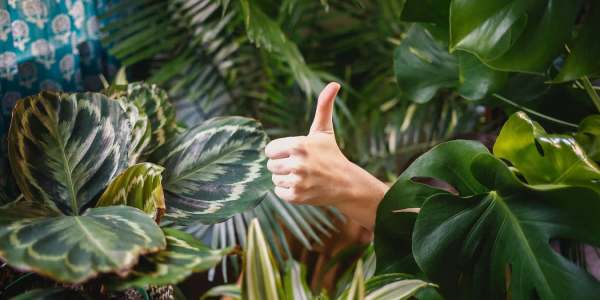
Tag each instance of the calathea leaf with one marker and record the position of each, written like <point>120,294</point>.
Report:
<point>36,236</point>
<point>588,136</point>
<point>141,133</point>
<point>152,102</point>
<point>214,170</point>
<point>545,158</point>
<point>66,148</point>
<point>448,163</point>
<point>496,244</point>
<point>183,256</point>
<point>513,35</point>
<point>138,186</point>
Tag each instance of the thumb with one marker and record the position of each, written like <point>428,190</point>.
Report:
<point>323,121</point>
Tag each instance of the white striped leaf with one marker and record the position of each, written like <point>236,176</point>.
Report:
<point>231,291</point>
<point>65,148</point>
<point>183,256</point>
<point>141,133</point>
<point>154,103</point>
<point>138,186</point>
<point>398,286</point>
<point>214,170</point>
<point>36,236</point>
<point>261,275</point>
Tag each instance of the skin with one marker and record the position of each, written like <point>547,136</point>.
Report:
<point>313,170</point>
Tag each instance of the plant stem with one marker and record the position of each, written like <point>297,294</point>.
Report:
<point>535,113</point>
<point>589,88</point>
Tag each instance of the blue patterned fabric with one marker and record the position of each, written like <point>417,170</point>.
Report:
<point>49,45</point>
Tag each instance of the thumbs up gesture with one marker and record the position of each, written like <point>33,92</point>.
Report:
<point>313,170</point>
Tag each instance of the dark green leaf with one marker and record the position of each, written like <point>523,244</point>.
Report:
<point>476,80</point>
<point>448,163</point>
<point>65,149</point>
<point>423,66</point>
<point>429,11</point>
<point>497,243</point>
<point>139,186</point>
<point>583,59</point>
<point>50,294</point>
<point>588,136</point>
<point>545,158</point>
<point>512,35</point>
<point>183,256</point>
<point>214,170</point>
<point>35,236</point>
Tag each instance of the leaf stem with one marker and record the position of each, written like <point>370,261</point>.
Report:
<point>535,113</point>
<point>589,88</point>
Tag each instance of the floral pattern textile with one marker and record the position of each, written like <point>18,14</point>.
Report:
<point>49,45</point>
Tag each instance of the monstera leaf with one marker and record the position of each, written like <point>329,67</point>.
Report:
<point>423,66</point>
<point>65,149</point>
<point>427,11</point>
<point>214,170</point>
<point>545,158</point>
<point>449,163</point>
<point>138,186</point>
<point>497,243</point>
<point>183,256</point>
<point>588,136</point>
<point>152,102</point>
<point>35,236</point>
<point>513,35</point>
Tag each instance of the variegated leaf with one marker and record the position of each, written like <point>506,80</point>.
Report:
<point>141,133</point>
<point>261,280</point>
<point>214,170</point>
<point>154,103</point>
<point>35,236</point>
<point>66,148</point>
<point>183,256</point>
<point>396,286</point>
<point>138,186</point>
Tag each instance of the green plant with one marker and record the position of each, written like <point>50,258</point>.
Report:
<point>264,281</point>
<point>92,170</point>
<point>489,231</point>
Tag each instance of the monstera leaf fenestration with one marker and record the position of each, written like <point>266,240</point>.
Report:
<point>152,102</point>
<point>497,243</point>
<point>544,158</point>
<point>139,186</point>
<point>214,170</point>
<point>35,236</point>
<point>183,256</point>
<point>64,150</point>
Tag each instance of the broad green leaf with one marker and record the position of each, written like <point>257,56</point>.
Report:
<point>448,163</point>
<point>397,286</point>
<point>261,274</point>
<point>65,149</point>
<point>428,11</point>
<point>512,35</point>
<point>214,170</point>
<point>497,243</point>
<point>152,102</point>
<point>50,294</point>
<point>138,186</point>
<point>423,66</point>
<point>588,136</point>
<point>294,282</point>
<point>544,158</point>
<point>183,256</point>
<point>476,80</point>
<point>232,291</point>
<point>583,59</point>
<point>35,236</point>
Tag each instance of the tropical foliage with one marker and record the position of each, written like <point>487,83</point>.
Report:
<point>91,206</point>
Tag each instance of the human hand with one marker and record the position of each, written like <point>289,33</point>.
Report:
<point>313,170</point>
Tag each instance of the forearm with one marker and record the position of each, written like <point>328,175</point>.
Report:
<point>363,194</point>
